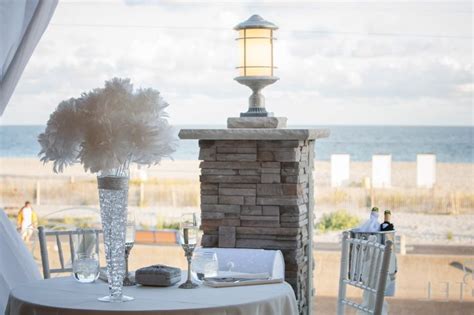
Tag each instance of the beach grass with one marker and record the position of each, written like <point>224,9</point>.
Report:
<point>185,193</point>
<point>167,192</point>
<point>400,199</point>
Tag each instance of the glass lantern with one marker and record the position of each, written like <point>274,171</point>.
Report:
<point>256,62</point>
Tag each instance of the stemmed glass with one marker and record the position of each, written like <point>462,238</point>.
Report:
<point>188,229</point>
<point>129,242</point>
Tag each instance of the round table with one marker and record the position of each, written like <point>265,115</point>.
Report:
<point>67,296</point>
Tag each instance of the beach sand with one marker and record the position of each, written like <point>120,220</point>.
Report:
<point>450,176</point>
<point>443,215</point>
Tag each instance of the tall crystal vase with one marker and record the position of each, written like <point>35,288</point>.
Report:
<point>113,198</point>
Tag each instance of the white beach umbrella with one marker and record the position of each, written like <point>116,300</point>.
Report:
<point>22,23</point>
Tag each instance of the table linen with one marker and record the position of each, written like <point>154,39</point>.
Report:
<point>67,296</point>
<point>249,260</point>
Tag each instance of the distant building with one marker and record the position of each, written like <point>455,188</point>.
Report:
<point>340,169</point>
<point>382,170</point>
<point>425,170</point>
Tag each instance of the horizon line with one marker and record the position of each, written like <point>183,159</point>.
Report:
<point>290,127</point>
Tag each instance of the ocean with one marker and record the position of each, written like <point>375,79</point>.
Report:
<point>450,144</point>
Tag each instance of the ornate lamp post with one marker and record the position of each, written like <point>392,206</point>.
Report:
<point>256,61</point>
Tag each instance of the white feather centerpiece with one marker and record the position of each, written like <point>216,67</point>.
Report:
<point>108,128</point>
<point>105,130</point>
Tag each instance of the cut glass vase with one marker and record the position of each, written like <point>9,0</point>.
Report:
<point>113,198</point>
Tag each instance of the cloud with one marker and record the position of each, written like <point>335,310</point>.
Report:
<point>331,71</point>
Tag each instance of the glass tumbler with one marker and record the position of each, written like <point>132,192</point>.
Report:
<point>205,264</point>
<point>85,264</point>
<point>85,268</point>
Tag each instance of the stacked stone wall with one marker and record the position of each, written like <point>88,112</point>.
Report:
<point>256,194</point>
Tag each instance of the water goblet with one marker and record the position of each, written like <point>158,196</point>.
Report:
<point>188,239</point>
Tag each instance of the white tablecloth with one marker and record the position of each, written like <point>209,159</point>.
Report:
<point>66,296</point>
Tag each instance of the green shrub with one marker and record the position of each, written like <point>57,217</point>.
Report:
<point>164,224</point>
<point>450,236</point>
<point>336,221</point>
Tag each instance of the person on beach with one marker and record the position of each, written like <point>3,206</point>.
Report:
<point>27,221</point>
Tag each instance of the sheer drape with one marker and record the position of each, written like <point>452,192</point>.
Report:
<point>22,23</point>
<point>16,263</point>
<point>14,19</point>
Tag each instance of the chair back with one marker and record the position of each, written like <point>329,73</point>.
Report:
<point>59,237</point>
<point>364,265</point>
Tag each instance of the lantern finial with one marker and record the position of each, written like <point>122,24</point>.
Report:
<point>256,61</point>
<point>255,21</point>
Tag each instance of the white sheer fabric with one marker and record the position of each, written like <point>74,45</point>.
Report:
<point>16,263</point>
<point>247,260</point>
<point>15,17</point>
<point>371,225</point>
<point>22,23</point>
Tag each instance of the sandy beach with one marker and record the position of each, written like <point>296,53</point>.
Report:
<point>442,215</point>
<point>450,176</point>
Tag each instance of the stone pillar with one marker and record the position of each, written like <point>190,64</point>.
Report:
<point>257,192</point>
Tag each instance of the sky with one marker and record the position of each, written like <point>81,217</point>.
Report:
<point>339,62</point>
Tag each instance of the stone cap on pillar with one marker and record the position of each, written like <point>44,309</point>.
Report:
<point>256,122</point>
<point>253,134</point>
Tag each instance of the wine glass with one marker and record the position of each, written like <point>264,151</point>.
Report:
<point>188,229</point>
<point>129,242</point>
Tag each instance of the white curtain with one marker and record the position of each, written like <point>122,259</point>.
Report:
<point>16,262</point>
<point>22,23</point>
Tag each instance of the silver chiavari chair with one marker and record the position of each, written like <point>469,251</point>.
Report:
<point>364,265</point>
<point>59,237</point>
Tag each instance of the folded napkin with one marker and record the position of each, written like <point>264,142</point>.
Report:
<point>232,279</point>
<point>244,275</point>
<point>247,260</point>
<point>158,275</point>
